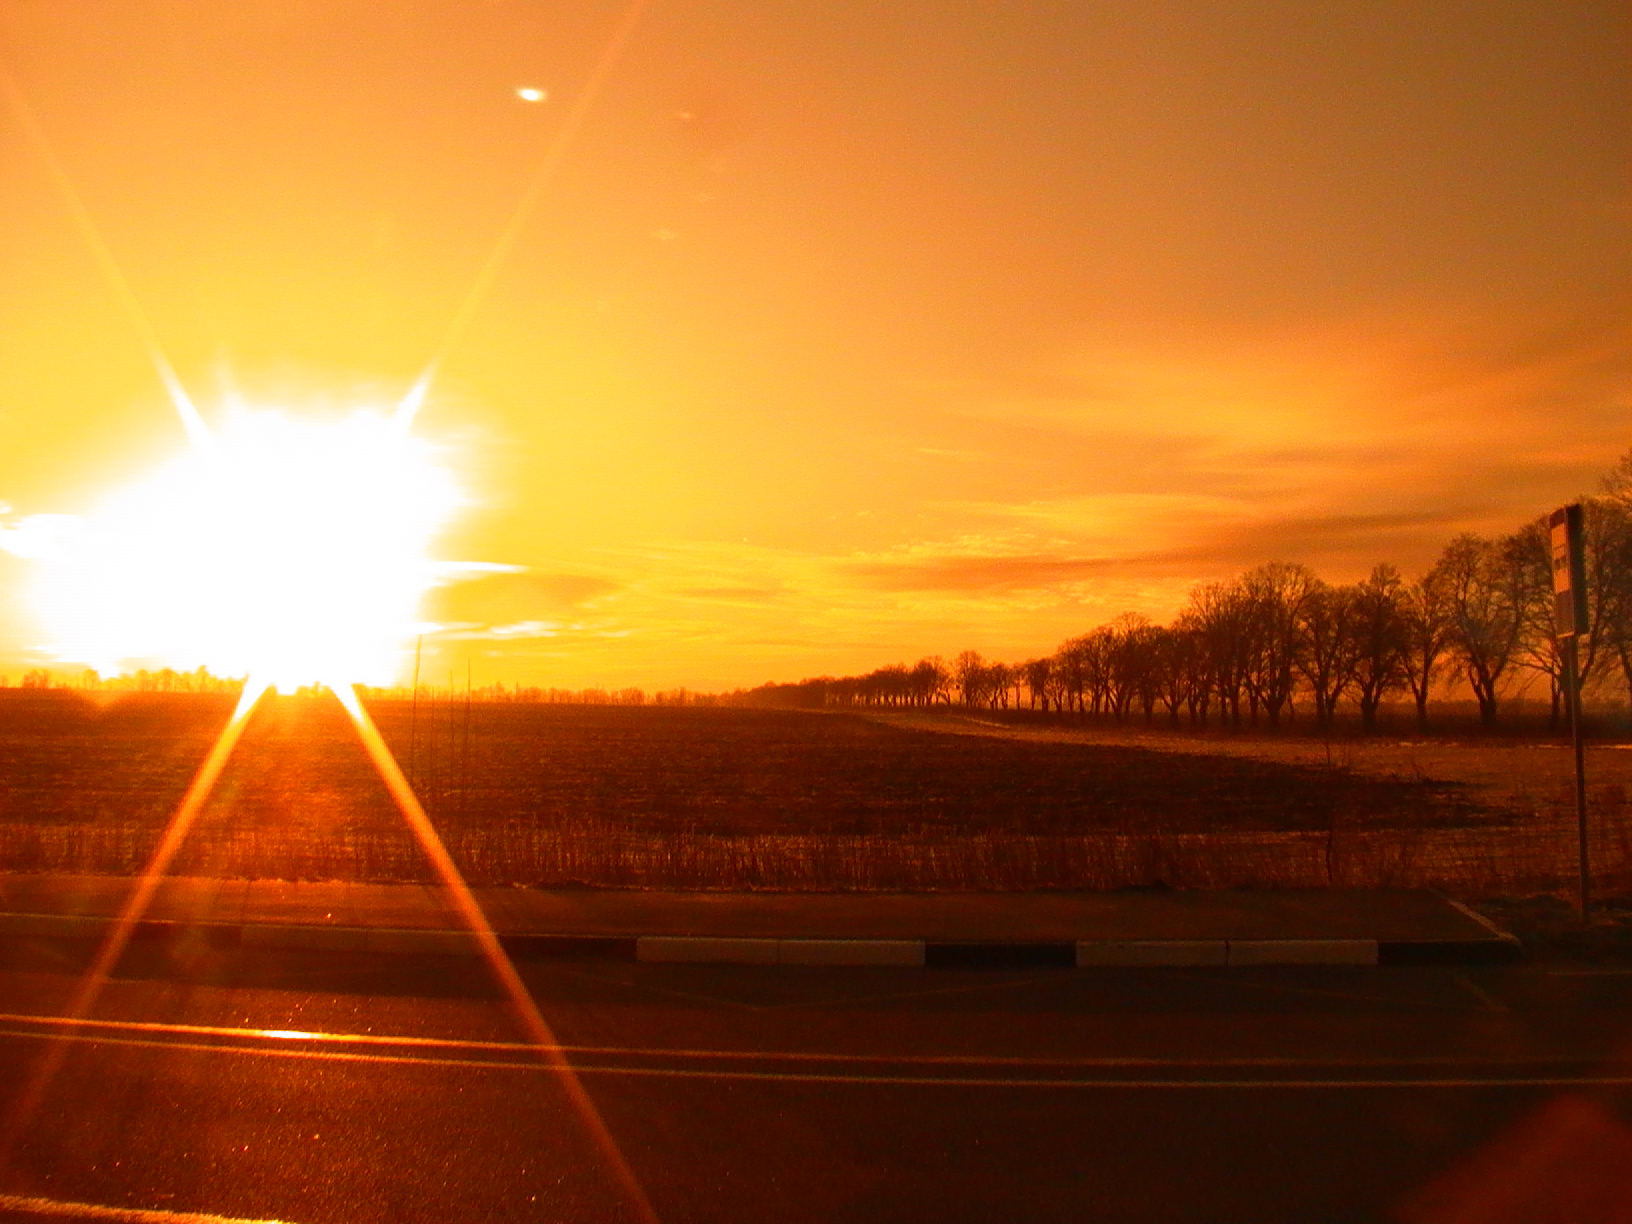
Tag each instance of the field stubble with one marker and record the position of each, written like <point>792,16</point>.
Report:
<point>755,799</point>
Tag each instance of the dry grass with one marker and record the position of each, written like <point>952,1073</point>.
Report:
<point>1463,862</point>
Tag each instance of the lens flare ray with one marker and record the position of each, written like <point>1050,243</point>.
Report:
<point>135,906</point>
<point>464,902</point>
<point>500,251</point>
<point>197,432</point>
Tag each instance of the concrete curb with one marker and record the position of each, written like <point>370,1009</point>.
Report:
<point>714,950</point>
<point>730,950</point>
<point>1122,952</point>
<point>1303,952</point>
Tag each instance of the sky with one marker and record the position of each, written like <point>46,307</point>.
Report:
<point>842,333</point>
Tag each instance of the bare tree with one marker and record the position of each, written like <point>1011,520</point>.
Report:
<point>1277,594</point>
<point>997,679</point>
<point>1096,653</point>
<point>1540,647</point>
<point>1426,627</point>
<point>1036,672</point>
<point>1220,618</point>
<point>1170,678</point>
<point>1484,588</point>
<point>1378,623</point>
<point>1069,672</point>
<point>1061,681</point>
<point>969,676</point>
<point>1195,666</point>
<point>1327,657</point>
<point>931,681</point>
<point>1613,577</point>
<point>1124,646</point>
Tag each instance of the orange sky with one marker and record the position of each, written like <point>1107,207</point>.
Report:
<point>846,332</point>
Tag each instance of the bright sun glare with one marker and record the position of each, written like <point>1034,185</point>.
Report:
<point>294,550</point>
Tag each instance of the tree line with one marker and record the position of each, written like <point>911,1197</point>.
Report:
<point>168,680</point>
<point>1254,648</point>
<point>159,680</point>
<point>513,694</point>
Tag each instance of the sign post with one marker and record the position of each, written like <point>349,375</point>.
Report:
<point>1570,622</point>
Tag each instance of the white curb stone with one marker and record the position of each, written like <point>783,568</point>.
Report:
<point>1303,952</point>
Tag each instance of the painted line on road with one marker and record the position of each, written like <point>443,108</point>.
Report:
<point>825,1056</point>
<point>1588,971</point>
<point>58,1209</point>
<point>816,1077</point>
<point>1621,1081</point>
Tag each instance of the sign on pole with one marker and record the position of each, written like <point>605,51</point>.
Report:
<point>1565,529</point>
<point>1569,571</point>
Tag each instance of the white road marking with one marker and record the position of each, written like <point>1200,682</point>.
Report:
<point>1589,971</point>
<point>56,1209</point>
<point>821,1077</point>
<point>827,1056</point>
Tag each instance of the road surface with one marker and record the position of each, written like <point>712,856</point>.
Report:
<point>316,1088</point>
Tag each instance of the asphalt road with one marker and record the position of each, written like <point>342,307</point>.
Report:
<point>316,1088</point>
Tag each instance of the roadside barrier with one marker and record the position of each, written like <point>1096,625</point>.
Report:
<point>808,952</point>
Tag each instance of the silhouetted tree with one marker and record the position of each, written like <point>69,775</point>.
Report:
<point>1069,673</point>
<point>1276,595</point>
<point>930,681</point>
<point>1196,666</point>
<point>1121,648</point>
<point>1036,672</point>
<point>1426,612</point>
<point>969,675</point>
<point>1614,573</point>
<point>1484,587</point>
<point>1220,615</point>
<point>1327,657</point>
<point>1378,625</point>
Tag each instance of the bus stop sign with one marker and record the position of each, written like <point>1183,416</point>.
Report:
<point>1569,571</point>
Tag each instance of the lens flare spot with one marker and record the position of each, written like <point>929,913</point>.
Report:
<point>293,549</point>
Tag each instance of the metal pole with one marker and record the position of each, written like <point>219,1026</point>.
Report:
<point>1572,681</point>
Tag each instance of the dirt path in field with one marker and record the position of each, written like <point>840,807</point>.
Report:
<point>1507,773</point>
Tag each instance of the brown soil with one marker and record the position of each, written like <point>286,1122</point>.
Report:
<point>742,798</point>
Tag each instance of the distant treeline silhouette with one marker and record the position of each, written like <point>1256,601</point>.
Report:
<point>1253,648</point>
<point>533,695</point>
<point>167,680</point>
<point>162,680</point>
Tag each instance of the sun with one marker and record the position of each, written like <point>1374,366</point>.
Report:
<point>293,549</point>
